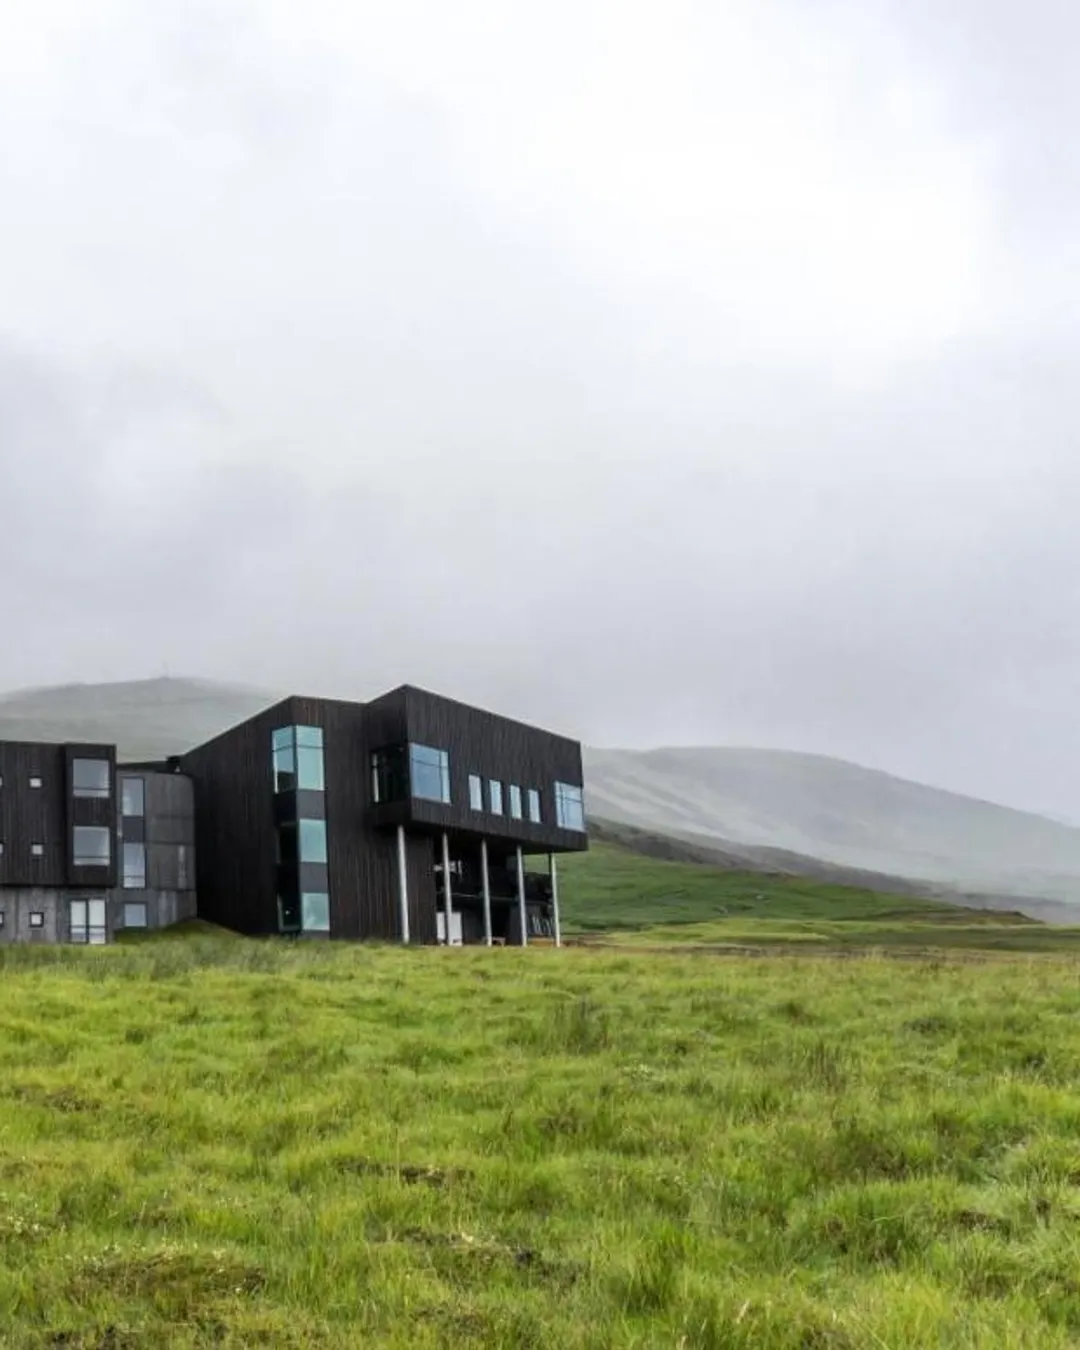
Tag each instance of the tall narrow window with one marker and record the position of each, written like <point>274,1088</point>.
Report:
<point>495,797</point>
<point>310,771</point>
<point>283,744</point>
<point>91,778</point>
<point>476,792</point>
<point>515,801</point>
<point>134,867</point>
<point>429,771</point>
<point>91,846</point>
<point>132,797</point>
<point>569,806</point>
<point>313,841</point>
<point>534,806</point>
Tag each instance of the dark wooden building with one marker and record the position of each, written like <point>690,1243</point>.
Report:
<point>408,818</point>
<point>87,847</point>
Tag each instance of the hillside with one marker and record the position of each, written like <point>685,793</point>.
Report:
<point>147,719</point>
<point>837,813</point>
<point>767,810</point>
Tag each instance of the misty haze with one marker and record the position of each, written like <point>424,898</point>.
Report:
<point>539,772</point>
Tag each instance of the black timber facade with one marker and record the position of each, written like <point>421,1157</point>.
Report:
<point>88,847</point>
<point>357,797</point>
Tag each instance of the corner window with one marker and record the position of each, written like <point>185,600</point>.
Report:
<point>134,878</point>
<point>534,807</point>
<point>429,773</point>
<point>495,797</point>
<point>515,802</point>
<point>389,775</point>
<point>312,841</point>
<point>91,778</point>
<point>476,792</point>
<point>37,919</point>
<point>315,912</point>
<point>91,846</point>
<point>135,914</point>
<point>569,807</point>
<point>132,797</point>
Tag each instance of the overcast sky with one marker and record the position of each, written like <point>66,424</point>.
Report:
<point>662,371</point>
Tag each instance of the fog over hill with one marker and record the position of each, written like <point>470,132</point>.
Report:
<point>777,808</point>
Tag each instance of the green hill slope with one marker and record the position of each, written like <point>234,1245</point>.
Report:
<point>612,893</point>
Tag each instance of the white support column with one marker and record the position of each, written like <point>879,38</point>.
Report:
<point>403,884</point>
<point>448,894</point>
<point>486,883</point>
<point>553,869</point>
<point>521,897</point>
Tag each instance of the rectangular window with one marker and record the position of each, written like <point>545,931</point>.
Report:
<point>495,797</point>
<point>312,841</point>
<point>429,773</point>
<point>315,912</point>
<point>476,792</point>
<point>1,918</point>
<point>87,922</point>
<point>132,797</point>
<point>35,780</point>
<point>389,775</point>
<point>135,914</point>
<point>283,749</point>
<point>91,778</point>
<point>298,759</point>
<point>37,919</point>
<point>569,807</point>
<point>91,846</point>
<point>134,867</point>
<point>534,807</point>
<point>37,850</point>
<point>515,802</point>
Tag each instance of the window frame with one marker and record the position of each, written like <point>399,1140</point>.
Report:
<point>516,802</point>
<point>536,810</point>
<point>496,797</point>
<point>476,792</point>
<point>432,759</point>
<point>126,782</point>
<point>136,904</point>
<point>82,860</point>
<point>570,807</point>
<point>96,793</point>
<point>125,884</point>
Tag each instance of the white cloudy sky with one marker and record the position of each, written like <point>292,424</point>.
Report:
<point>669,372</point>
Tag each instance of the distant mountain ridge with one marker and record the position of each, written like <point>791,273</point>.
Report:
<point>774,809</point>
<point>837,812</point>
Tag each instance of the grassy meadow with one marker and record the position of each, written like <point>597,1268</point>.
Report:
<point>206,1141</point>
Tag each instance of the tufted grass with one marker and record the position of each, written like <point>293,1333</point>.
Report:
<point>214,1142</point>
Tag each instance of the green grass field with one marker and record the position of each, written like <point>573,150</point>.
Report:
<point>208,1141</point>
<point>215,1142</point>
